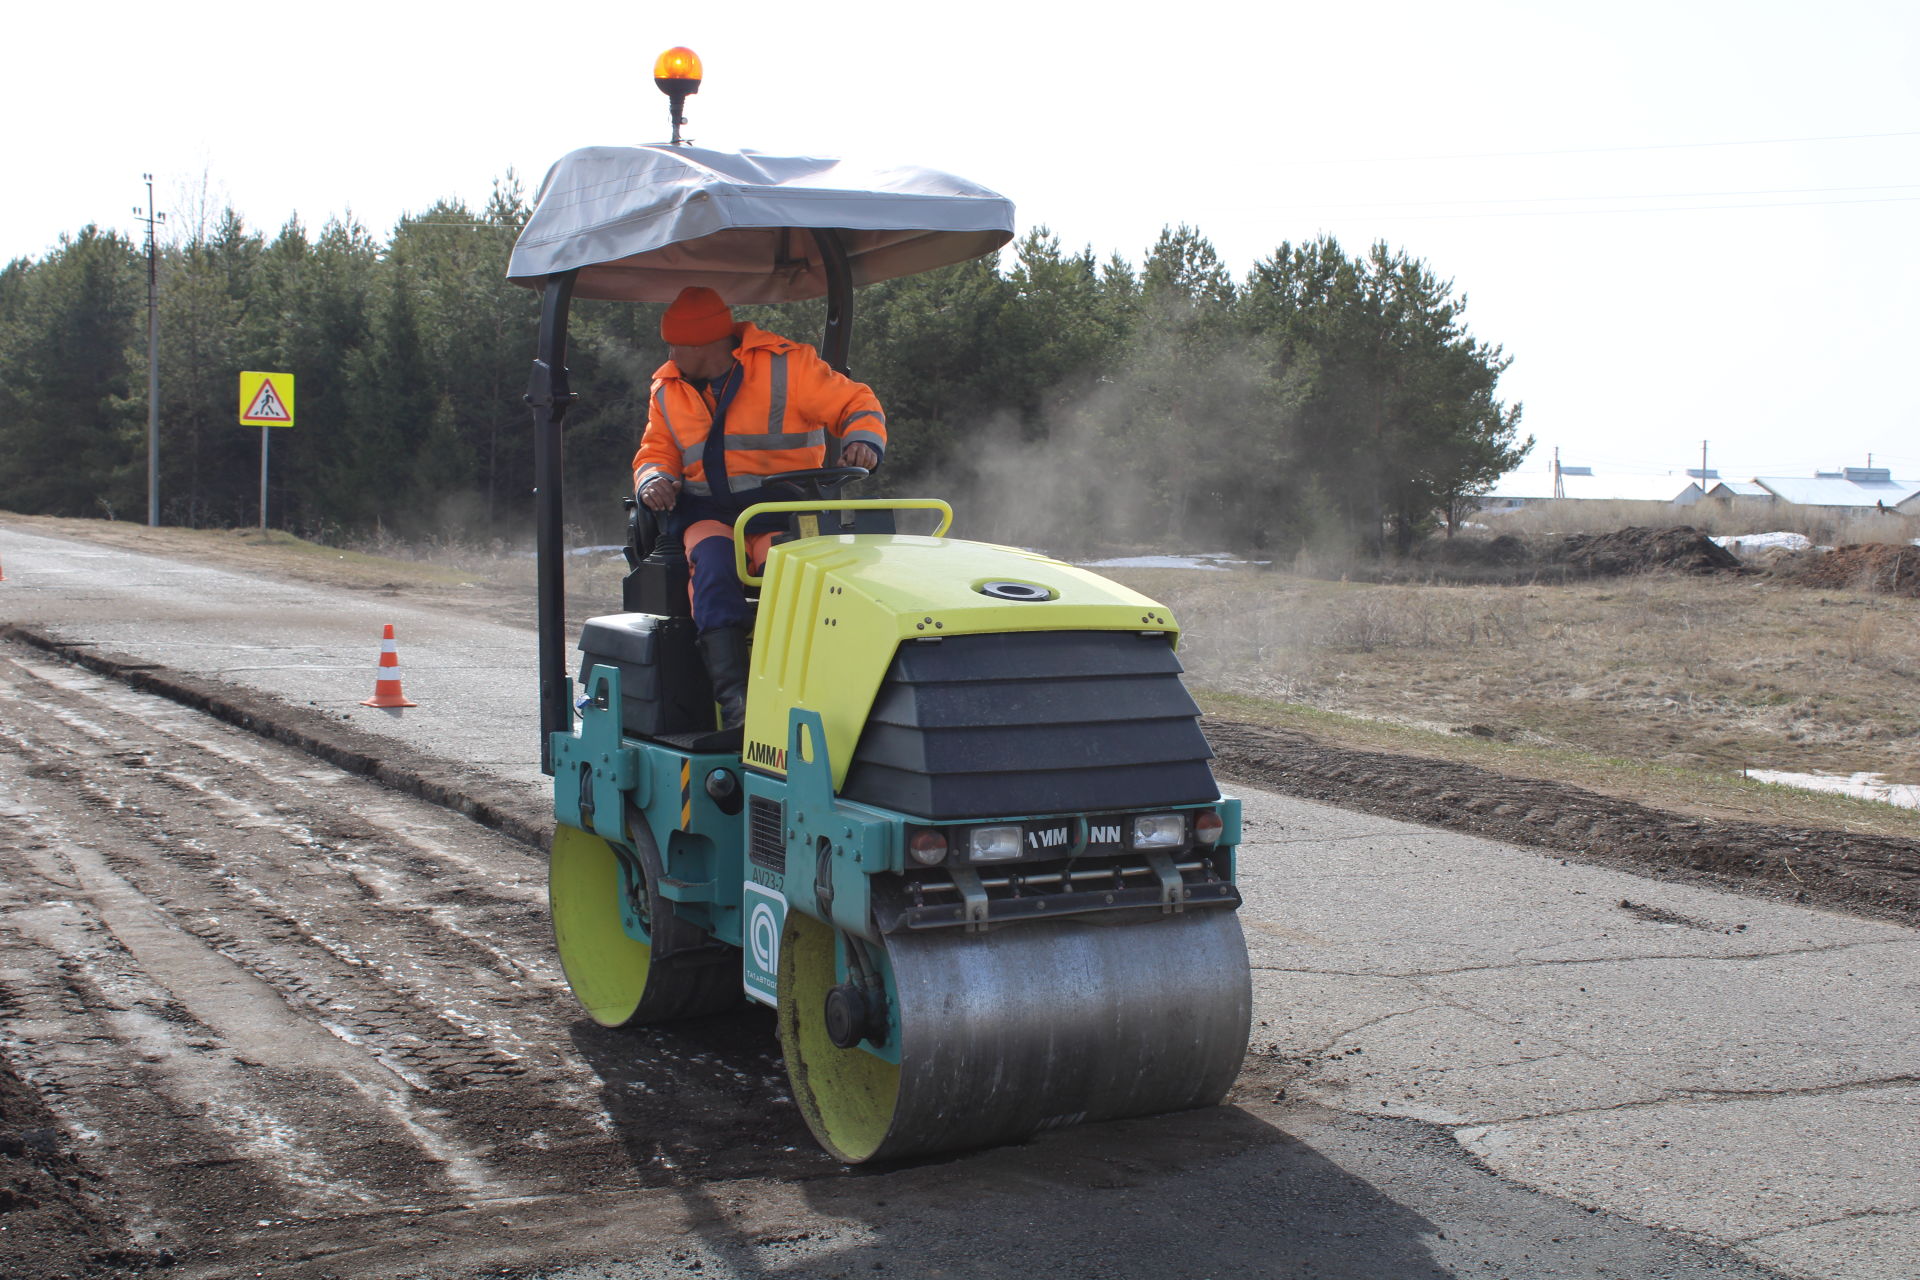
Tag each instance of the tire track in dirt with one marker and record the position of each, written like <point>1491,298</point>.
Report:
<point>266,996</point>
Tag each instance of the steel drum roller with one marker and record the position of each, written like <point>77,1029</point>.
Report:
<point>615,975</point>
<point>1027,1028</point>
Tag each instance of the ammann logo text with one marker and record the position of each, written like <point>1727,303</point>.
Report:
<point>767,754</point>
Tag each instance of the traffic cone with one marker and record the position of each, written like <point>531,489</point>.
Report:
<point>386,689</point>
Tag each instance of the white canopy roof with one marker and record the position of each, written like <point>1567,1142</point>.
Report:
<point>642,223</point>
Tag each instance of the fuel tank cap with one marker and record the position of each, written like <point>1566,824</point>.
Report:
<point>1007,590</point>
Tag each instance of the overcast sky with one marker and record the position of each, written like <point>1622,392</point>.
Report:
<point>1683,221</point>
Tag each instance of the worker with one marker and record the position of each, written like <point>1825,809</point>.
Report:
<point>778,401</point>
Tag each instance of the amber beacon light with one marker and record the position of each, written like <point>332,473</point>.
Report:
<point>677,73</point>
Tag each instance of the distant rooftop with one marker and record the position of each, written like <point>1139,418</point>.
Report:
<point>1852,487</point>
<point>1580,483</point>
<point>1862,488</point>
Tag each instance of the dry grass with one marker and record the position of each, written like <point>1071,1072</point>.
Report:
<point>1702,677</point>
<point>1828,529</point>
<point>1724,797</point>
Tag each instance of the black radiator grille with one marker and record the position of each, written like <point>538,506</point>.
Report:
<point>976,726</point>
<point>766,844</point>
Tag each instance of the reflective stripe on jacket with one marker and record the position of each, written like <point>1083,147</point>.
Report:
<point>788,402</point>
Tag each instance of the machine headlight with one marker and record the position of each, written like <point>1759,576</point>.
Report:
<point>994,844</point>
<point>1159,831</point>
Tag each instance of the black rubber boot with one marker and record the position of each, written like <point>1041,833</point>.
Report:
<point>724,650</point>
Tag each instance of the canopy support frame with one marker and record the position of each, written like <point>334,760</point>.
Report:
<point>549,397</point>
<point>837,341</point>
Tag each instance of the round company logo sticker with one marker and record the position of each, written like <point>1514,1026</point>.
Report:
<point>763,936</point>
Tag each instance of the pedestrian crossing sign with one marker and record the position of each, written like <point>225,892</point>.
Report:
<point>266,399</point>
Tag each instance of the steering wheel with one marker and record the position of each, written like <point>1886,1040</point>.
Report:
<point>814,482</point>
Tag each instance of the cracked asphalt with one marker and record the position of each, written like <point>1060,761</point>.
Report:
<point>1730,1067</point>
<point>1740,1071</point>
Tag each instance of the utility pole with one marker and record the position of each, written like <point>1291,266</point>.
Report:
<point>1559,485</point>
<point>1703,467</point>
<point>153,355</point>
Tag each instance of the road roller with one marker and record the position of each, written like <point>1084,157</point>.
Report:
<point>967,844</point>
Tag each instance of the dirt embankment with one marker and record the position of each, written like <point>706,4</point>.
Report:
<point>1509,558</point>
<point>1871,875</point>
<point>1638,550</point>
<point>1885,568</point>
<point>1881,567</point>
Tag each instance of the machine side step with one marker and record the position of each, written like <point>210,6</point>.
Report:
<point>707,741</point>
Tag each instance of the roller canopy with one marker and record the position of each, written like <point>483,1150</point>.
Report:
<point>642,223</point>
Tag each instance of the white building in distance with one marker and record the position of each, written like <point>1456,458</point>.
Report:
<point>1849,489</point>
<point>1580,484</point>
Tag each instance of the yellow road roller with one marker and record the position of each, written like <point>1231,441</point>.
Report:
<point>967,844</point>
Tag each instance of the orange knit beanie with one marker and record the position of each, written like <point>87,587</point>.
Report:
<point>695,318</point>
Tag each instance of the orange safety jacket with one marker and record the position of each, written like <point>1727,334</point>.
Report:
<point>787,402</point>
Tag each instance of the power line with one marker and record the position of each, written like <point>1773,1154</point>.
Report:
<point>1651,195</point>
<point>1642,466</point>
<point>1672,208</point>
<point>1591,151</point>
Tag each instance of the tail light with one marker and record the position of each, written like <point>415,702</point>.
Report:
<point>928,847</point>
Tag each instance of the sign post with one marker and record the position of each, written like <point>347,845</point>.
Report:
<point>266,400</point>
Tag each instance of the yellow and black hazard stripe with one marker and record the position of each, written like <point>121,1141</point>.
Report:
<point>686,795</point>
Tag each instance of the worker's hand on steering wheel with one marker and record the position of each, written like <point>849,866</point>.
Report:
<point>659,493</point>
<point>859,454</point>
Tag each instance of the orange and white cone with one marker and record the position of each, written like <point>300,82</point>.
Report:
<point>386,689</point>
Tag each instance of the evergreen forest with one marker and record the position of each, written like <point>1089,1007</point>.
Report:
<point>1327,399</point>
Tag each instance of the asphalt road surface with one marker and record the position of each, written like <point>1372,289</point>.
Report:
<point>299,1022</point>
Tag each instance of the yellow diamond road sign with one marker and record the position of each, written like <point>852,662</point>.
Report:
<point>266,399</point>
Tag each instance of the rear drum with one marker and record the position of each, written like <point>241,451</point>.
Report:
<point>615,975</point>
